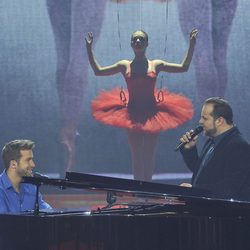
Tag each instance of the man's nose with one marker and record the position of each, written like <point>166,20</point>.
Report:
<point>33,164</point>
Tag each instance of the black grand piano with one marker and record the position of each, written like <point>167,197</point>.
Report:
<point>161,217</point>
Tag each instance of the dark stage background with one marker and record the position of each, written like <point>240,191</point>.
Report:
<point>47,85</point>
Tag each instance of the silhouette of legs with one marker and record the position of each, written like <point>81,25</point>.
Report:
<point>71,20</point>
<point>142,147</point>
<point>213,19</point>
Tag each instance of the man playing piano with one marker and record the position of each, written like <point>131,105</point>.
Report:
<point>16,197</point>
<point>223,165</point>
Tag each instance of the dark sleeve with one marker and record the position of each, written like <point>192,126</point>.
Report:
<point>191,158</point>
<point>239,172</point>
<point>233,174</point>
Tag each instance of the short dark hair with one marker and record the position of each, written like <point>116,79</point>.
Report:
<point>221,109</point>
<point>11,150</point>
<point>144,32</point>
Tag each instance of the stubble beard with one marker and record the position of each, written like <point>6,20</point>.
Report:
<point>211,132</point>
<point>21,173</point>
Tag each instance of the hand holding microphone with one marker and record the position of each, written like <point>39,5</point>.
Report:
<point>189,139</point>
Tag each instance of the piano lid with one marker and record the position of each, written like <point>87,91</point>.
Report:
<point>196,201</point>
<point>127,185</point>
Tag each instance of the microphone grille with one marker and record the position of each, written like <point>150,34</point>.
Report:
<point>198,129</point>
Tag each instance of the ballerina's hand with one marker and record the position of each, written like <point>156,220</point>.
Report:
<point>193,35</point>
<point>89,38</point>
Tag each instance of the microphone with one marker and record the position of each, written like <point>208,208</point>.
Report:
<point>39,175</point>
<point>196,131</point>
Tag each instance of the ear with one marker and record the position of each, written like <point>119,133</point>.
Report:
<point>13,164</point>
<point>220,121</point>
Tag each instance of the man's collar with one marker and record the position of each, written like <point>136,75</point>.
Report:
<point>219,137</point>
<point>6,181</point>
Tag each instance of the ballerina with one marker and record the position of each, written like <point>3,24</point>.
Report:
<point>140,109</point>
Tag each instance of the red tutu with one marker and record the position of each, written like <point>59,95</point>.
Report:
<point>168,113</point>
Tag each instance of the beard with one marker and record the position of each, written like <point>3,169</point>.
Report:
<point>210,132</point>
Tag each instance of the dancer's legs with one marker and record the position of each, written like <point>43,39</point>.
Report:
<point>198,14</point>
<point>150,143</point>
<point>223,15</point>
<point>135,140</point>
<point>71,20</point>
<point>60,18</point>
<point>86,16</point>
<point>142,147</point>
